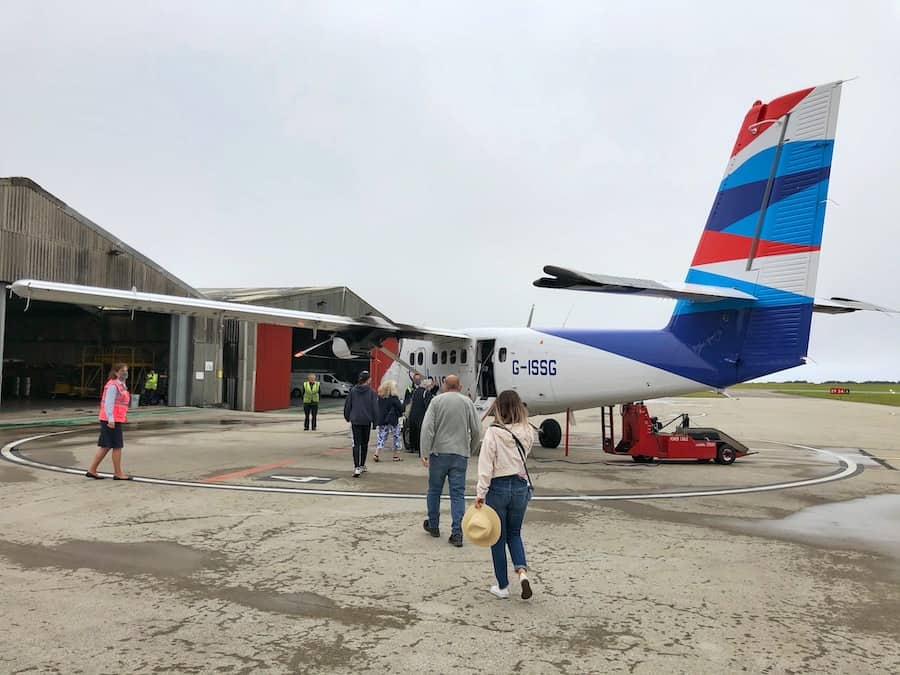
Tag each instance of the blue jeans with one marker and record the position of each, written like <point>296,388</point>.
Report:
<point>452,468</point>
<point>508,496</point>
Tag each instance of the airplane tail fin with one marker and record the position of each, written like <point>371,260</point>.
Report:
<point>763,237</point>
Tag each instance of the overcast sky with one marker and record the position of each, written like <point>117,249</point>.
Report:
<point>435,156</point>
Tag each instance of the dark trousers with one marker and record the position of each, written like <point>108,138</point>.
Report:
<point>415,435</point>
<point>310,408</point>
<point>361,434</point>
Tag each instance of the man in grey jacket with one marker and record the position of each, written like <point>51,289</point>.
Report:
<point>361,410</point>
<point>450,434</point>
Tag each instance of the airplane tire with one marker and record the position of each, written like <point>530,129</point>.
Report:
<point>725,454</point>
<point>550,433</point>
<point>296,393</point>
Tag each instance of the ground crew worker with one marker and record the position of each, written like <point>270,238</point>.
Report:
<point>113,415</point>
<point>310,401</point>
<point>151,384</point>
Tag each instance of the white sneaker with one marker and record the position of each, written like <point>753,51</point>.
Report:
<point>502,593</point>
<point>364,468</point>
<point>357,471</point>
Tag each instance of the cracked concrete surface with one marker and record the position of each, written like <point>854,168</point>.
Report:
<point>104,577</point>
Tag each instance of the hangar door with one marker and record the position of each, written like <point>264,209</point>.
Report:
<point>273,368</point>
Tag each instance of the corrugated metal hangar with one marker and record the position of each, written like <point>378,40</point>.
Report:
<point>51,350</point>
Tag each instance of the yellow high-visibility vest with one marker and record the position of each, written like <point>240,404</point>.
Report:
<point>310,392</point>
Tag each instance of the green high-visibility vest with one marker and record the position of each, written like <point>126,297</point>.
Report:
<point>310,392</point>
<point>152,382</point>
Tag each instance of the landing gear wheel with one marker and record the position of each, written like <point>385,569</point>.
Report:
<point>725,455</point>
<point>550,433</point>
<point>296,393</point>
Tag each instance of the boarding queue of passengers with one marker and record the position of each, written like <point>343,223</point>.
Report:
<point>445,431</point>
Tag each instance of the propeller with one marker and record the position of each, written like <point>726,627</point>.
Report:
<point>339,347</point>
<point>304,352</point>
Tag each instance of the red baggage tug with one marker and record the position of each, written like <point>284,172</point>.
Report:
<point>643,438</point>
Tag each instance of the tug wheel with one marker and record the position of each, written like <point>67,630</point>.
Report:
<point>725,455</point>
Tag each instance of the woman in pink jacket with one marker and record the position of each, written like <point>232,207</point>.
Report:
<point>503,485</point>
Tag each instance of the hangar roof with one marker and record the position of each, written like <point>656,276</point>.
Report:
<point>324,299</point>
<point>42,237</point>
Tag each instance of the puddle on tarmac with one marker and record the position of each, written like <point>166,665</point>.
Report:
<point>869,524</point>
<point>176,564</point>
<point>163,559</point>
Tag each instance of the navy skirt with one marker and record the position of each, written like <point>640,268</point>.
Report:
<point>111,438</point>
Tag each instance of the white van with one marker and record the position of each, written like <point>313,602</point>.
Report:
<point>329,385</point>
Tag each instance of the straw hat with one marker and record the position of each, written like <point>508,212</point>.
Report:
<point>481,526</point>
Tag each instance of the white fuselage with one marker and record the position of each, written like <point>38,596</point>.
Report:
<point>551,374</point>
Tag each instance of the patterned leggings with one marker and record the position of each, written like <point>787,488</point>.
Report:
<point>383,432</point>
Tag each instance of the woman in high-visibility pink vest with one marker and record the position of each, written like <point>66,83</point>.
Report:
<point>113,415</point>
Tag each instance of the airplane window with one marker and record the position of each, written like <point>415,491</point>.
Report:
<point>421,358</point>
<point>444,356</point>
<point>412,357</point>
<point>434,358</point>
<point>502,354</point>
<point>463,355</point>
<point>453,356</point>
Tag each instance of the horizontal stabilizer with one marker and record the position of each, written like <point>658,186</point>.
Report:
<point>846,305</point>
<point>574,280</point>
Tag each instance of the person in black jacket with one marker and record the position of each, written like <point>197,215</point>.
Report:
<point>390,409</point>
<point>361,410</point>
<point>418,407</point>
<point>414,383</point>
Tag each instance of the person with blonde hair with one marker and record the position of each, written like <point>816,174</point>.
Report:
<point>504,485</point>
<point>390,409</point>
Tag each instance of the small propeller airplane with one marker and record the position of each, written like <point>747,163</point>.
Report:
<point>743,311</point>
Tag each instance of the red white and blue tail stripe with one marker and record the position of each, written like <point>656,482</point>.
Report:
<point>762,238</point>
<point>764,233</point>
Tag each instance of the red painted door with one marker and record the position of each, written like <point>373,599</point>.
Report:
<point>273,368</point>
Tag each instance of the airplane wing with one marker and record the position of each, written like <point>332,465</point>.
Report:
<point>574,280</point>
<point>108,298</point>
<point>846,305</point>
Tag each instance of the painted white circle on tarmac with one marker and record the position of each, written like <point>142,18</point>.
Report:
<point>848,468</point>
